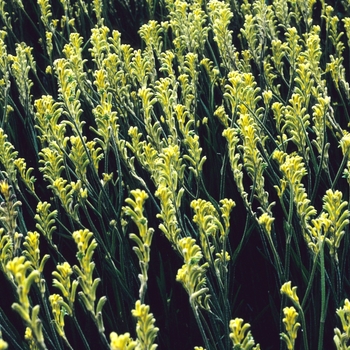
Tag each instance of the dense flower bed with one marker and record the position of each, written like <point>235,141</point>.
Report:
<point>174,174</point>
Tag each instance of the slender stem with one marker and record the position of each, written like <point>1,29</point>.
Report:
<point>277,259</point>
<point>200,326</point>
<point>47,314</point>
<point>323,298</point>
<point>340,170</point>
<point>303,325</point>
<point>311,279</point>
<point>76,323</point>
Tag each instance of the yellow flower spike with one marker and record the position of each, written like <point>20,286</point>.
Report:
<point>220,16</point>
<point>293,45</point>
<point>6,249</point>
<point>252,159</point>
<point>9,213</point>
<point>142,67</point>
<point>63,190</point>
<point>291,325</point>
<point>45,220</point>
<point>169,168</point>
<point>313,54</point>
<point>192,274</point>
<point>47,115</point>
<point>333,30</point>
<point>63,278</point>
<point>222,115</point>
<point>82,239</point>
<point>337,72</point>
<point>148,100</point>
<point>290,292</point>
<point>279,51</point>
<point>137,146</point>
<point>73,52</point>
<point>304,81</point>
<point>267,97</point>
<point>345,144</point>
<point>344,314</point>
<point>106,118</point>
<point>32,251</point>
<point>293,169</point>
<point>188,22</point>
<point>241,335</point>
<point>79,156</point>
<point>145,329</point>
<point>270,76</point>
<point>236,166</point>
<point>63,282</point>
<point>28,336</point>
<point>100,47</point>
<point>37,327</point>
<point>150,33</point>
<point>169,225</point>
<point>5,16</point>
<point>52,160</point>
<point>135,210</point>
<point>212,71</point>
<point>320,109</point>
<point>28,180</point>
<point>5,189</point>
<point>337,217</point>
<point>226,207</point>
<point>278,110</point>
<point>95,153</point>
<point>21,64</point>
<point>250,31</point>
<point>7,157</point>
<point>18,268</point>
<point>266,221</point>
<point>221,261</point>
<point>59,310</point>
<point>346,22</point>
<point>101,82</point>
<point>69,92</point>
<point>297,122</point>
<point>122,342</point>
<point>97,6</point>
<point>189,79</point>
<point>166,95</point>
<point>45,11</point>
<point>207,220</point>
<point>86,245</point>
<point>143,243</point>
<point>341,338</point>
<point>194,155</point>
<point>319,229</point>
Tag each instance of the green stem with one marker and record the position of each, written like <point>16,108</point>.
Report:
<point>303,325</point>
<point>76,323</point>
<point>340,170</point>
<point>289,234</point>
<point>311,279</point>
<point>277,259</point>
<point>323,298</point>
<point>200,326</point>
